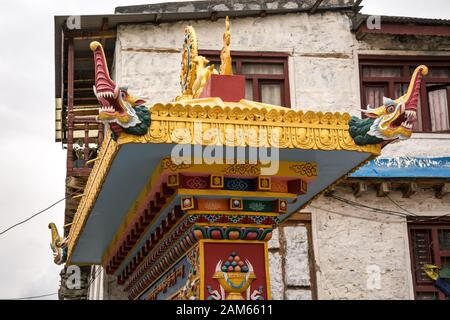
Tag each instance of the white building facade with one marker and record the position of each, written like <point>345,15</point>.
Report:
<point>368,237</point>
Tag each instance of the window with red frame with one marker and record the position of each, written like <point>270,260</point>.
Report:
<point>389,76</point>
<point>429,244</point>
<point>266,74</point>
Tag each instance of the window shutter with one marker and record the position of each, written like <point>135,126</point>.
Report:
<point>422,253</point>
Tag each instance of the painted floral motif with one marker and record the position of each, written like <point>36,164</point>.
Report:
<point>245,168</point>
<point>212,205</point>
<point>237,184</point>
<point>305,169</point>
<point>197,183</point>
<point>257,206</point>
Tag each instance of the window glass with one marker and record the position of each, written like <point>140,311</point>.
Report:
<point>262,68</point>
<point>249,90</point>
<point>271,93</point>
<point>438,104</point>
<point>374,95</point>
<point>376,71</point>
<point>444,239</point>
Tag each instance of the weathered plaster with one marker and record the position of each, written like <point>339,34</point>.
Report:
<point>323,75</point>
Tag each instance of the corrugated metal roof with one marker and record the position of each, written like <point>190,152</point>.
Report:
<point>361,18</point>
<point>237,6</point>
<point>405,167</point>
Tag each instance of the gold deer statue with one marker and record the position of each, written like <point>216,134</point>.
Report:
<point>203,74</point>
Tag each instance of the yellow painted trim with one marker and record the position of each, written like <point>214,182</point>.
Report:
<point>321,130</point>
<point>183,192</point>
<point>107,152</point>
<point>235,213</point>
<point>296,169</point>
<point>167,166</point>
<point>305,130</point>
<point>237,194</point>
<point>240,207</point>
<point>266,257</point>
<point>221,224</point>
<point>216,186</point>
<point>119,233</point>
<point>202,269</point>
<point>178,260</point>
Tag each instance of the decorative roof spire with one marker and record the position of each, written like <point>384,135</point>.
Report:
<point>226,65</point>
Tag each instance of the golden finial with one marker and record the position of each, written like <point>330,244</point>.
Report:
<point>226,66</point>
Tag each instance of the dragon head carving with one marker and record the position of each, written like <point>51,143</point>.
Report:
<point>118,109</point>
<point>393,120</point>
<point>58,245</point>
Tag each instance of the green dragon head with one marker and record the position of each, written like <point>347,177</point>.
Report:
<point>118,109</point>
<point>393,120</point>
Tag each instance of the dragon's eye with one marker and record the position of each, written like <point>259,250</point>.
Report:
<point>390,109</point>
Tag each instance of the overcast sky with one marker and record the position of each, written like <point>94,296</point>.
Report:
<point>32,165</point>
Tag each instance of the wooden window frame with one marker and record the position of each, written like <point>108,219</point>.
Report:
<point>405,62</point>
<point>432,226</point>
<point>240,57</point>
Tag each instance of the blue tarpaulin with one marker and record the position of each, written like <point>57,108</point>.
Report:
<point>405,167</point>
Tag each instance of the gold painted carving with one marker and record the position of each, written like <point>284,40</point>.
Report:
<point>98,174</point>
<point>226,64</point>
<point>244,168</point>
<point>204,72</point>
<point>169,281</point>
<point>188,68</point>
<point>256,127</point>
<point>308,169</point>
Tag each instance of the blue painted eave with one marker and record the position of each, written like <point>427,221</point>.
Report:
<point>405,167</point>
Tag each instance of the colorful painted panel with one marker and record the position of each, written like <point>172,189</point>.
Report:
<point>233,270</point>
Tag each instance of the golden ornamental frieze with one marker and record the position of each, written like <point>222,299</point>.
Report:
<point>94,183</point>
<point>256,127</point>
<point>308,169</point>
<point>242,168</point>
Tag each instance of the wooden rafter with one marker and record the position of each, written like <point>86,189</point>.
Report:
<point>315,6</point>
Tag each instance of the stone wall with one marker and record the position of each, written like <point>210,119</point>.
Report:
<point>149,55</point>
<point>289,261</point>
<point>351,244</point>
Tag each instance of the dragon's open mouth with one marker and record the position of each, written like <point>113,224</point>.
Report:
<point>106,91</point>
<point>405,120</point>
<point>109,101</point>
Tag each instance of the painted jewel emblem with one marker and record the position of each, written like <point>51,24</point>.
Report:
<point>235,276</point>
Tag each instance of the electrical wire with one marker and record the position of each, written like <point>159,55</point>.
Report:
<point>97,273</point>
<point>389,212</point>
<point>400,207</point>
<point>32,297</point>
<point>360,205</point>
<point>31,217</point>
<point>352,216</point>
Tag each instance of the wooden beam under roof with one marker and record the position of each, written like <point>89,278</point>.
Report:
<point>356,4</point>
<point>443,190</point>
<point>91,34</point>
<point>104,28</point>
<point>315,6</point>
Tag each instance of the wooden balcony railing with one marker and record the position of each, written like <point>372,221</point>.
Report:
<point>81,149</point>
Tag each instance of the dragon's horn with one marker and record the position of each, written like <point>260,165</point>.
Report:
<point>412,94</point>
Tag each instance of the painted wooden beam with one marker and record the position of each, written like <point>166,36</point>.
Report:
<point>359,188</point>
<point>383,189</point>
